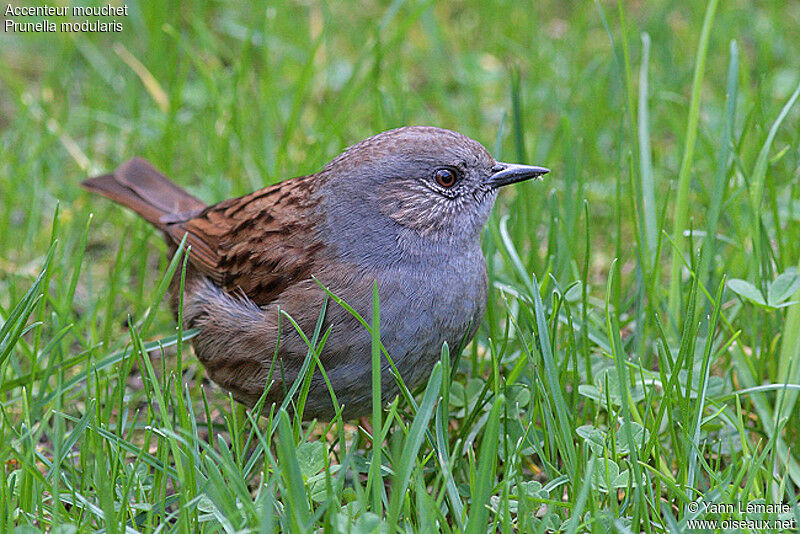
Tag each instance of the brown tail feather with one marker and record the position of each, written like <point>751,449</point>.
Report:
<point>139,186</point>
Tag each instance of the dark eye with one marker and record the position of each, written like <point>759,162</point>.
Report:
<point>445,177</point>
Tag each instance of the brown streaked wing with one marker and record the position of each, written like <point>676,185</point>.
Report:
<point>260,243</point>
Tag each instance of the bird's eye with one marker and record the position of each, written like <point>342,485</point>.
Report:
<point>445,177</point>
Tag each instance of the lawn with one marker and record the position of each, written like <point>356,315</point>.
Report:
<point>639,362</point>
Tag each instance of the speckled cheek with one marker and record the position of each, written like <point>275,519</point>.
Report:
<point>414,207</point>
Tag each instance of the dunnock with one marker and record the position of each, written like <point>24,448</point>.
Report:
<point>404,208</point>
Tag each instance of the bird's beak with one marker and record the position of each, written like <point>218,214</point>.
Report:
<point>511,173</point>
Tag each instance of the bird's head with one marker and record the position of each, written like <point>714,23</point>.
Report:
<point>436,182</point>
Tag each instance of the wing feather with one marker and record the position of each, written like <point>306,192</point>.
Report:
<point>260,243</point>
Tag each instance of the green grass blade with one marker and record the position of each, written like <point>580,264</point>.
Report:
<point>413,441</point>
<point>487,464</point>
<point>648,201</point>
<point>374,480</point>
<point>681,214</point>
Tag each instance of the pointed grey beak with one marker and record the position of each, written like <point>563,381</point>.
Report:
<point>511,173</point>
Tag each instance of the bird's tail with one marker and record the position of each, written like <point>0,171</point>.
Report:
<point>139,186</point>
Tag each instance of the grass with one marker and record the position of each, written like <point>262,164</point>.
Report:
<point>640,352</point>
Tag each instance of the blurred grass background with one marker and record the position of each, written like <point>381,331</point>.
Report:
<point>640,370</point>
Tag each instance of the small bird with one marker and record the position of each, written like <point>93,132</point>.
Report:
<point>403,209</point>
